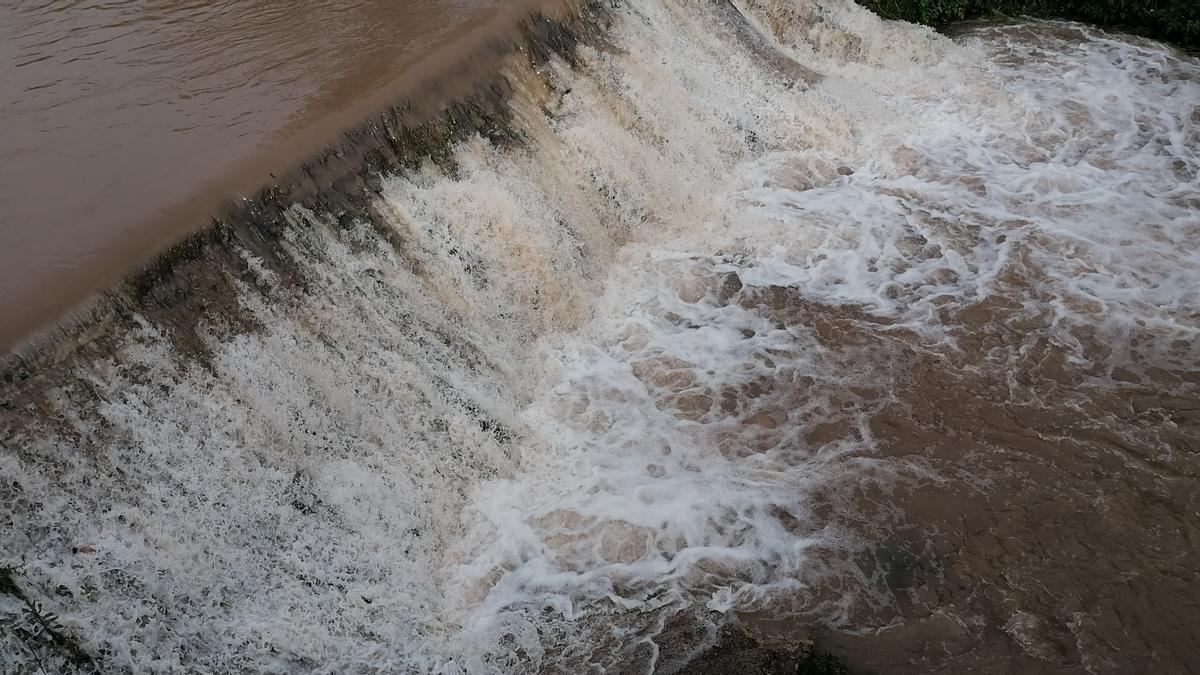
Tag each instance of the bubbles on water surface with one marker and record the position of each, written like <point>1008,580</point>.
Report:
<point>729,370</point>
<point>644,370</point>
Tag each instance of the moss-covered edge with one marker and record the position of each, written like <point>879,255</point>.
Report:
<point>1174,21</point>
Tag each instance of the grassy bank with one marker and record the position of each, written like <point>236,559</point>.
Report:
<point>1176,21</point>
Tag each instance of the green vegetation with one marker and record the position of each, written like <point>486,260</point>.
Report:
<point>38,629</point>
<point>1176,21</point>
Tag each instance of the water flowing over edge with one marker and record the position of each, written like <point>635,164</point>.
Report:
<point>699,311</point>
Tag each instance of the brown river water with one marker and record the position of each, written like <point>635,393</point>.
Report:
<point>706,337</point>
<point>127,123</point>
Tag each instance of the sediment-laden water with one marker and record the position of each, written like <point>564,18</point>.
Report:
<point>775,317</point>
<point>127,123</point>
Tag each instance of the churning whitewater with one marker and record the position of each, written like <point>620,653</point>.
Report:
<point>778,315</point>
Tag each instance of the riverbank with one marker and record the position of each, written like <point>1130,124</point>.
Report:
<point>1175,21</point>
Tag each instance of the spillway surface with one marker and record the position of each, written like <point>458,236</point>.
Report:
<point>769,315</point>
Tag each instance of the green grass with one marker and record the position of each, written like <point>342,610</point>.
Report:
<point>1176,21</point>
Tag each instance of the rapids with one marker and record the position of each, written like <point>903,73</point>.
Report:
<point>845,332</point>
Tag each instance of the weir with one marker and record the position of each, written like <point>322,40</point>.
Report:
<point>199,138</point>
<point>341,179</point>
<point>695,336</point>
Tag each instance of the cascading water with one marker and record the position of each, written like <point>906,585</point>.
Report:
<point>882,337</point>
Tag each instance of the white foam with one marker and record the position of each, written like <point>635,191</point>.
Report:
<point>515,447</point>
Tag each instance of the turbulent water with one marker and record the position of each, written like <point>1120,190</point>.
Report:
<point>834,329</point>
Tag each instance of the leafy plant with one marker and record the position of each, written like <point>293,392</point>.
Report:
<point>1173,20</point>
<point>37,628</point>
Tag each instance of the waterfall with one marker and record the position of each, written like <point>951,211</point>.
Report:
<point>696,314</point>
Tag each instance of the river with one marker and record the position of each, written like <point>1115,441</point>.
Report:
<point>774,320</point>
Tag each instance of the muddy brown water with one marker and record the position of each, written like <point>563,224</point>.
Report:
<point>126,124</point>
<point>1053,531</point>
<point>929,407</point>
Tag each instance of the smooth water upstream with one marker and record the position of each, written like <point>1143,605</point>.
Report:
<point>900,358</point>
